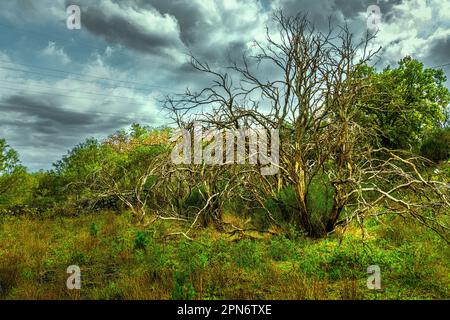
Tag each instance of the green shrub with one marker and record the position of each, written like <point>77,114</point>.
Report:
<point>247,254</point>
<point>281,249</point>
<point>193,257</point>
<point>157,257</point>
<point>194,199</point>
<point>320,199</point>
<point>283,208</point>
<point>346,262</point>
<point>220,253</point>
<point>93,229</point>
<point>188,203</point>
<point>118,244</point>
<point>114,291</point>
<point>141,240</point>
<point>437,146</point>
<point>183,289</point>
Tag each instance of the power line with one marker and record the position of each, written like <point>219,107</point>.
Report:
<point>53,88</point>
<point>442,65</point>
<point>59,94</point>
<point>78,74</point>
<point>52,36</point>
<point>82,45</point>
<point>167,89</point>
<point>62,77</point>
<point>126,115</point>
<point>85,75</point>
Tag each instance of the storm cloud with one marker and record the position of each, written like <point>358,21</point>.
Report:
<point>119,29</point>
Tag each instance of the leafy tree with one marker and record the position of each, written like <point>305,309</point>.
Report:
<point>122,167</point>
<point>48,189</point>
<point>404,103</point>
<point>130,173</point>
<point>12,174</point>
<point>9,159</point>
<point>78,166</point>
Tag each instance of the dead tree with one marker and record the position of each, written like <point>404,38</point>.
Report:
<point>311,95</point>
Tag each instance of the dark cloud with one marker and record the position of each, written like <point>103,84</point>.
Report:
<point>197,31</point>
<point>49,114</point>
<point>42,129</point>
<point>387,12</point>
<point>120,30</point>
<point>319,11</point>
<point>337,11</point>
<point>440,51</point>
<point>190,18</point>
<point>48,109</point>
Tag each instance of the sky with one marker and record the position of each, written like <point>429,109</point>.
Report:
<point>59,86</point>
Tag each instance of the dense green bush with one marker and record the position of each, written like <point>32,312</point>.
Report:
<point>247,254</point>
<point>142,240</point>
<point>281,249</point>
<point>283,208</point>
<point>437,146</point>
<point>93,229</point>
<point>320,200</point>
<point>183,290</point>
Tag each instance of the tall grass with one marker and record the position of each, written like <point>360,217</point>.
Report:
<point>120,260</point>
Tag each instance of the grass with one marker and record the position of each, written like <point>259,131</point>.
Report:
<point>121,260</point>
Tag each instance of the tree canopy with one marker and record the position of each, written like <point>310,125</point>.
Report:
<point>403,104</point>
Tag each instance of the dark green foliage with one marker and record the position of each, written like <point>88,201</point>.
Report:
<point>247,254</point>
<point>194,199</point>
<point>437,146</point>
<point>283,208</point>
<point>193,257</point>
<point>191,202</point>
<point>93,229</point>
<point>49,189</point>
<point>81,160</point>
<point>404,103</point>
<point>281,249</point>
<point>320,199</point>
<point>15,183</point>
<point>183,290</point>
<point>141,240</point>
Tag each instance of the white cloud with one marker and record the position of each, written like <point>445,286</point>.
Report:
<point>413,28</point>
<point>53,51</point>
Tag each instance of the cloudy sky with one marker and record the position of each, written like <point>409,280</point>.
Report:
<point>60,86</point>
